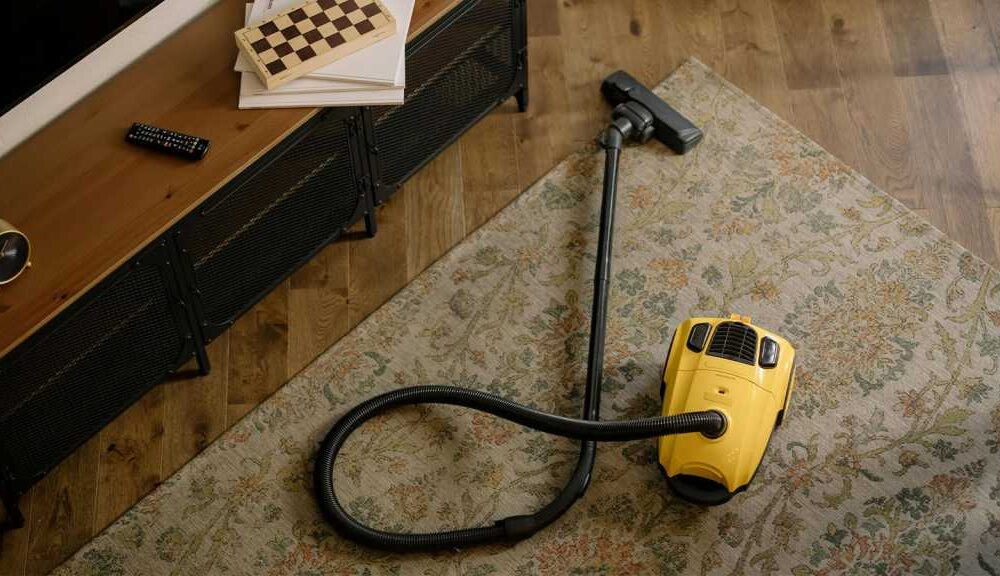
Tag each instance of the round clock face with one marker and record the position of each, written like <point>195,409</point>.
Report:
<point>13,255</point>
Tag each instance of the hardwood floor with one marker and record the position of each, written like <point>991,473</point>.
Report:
<point>906,91</point>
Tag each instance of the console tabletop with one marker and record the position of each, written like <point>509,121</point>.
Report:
<point>88,201</point>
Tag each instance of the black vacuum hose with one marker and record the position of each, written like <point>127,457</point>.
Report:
<point>590,429</point>
<point>509,529</point>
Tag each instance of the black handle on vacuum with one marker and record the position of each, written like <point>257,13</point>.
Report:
<point>670,126</point>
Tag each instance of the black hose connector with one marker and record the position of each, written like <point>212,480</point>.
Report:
<point>509,529</point>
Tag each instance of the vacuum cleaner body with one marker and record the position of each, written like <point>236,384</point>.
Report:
<point>743,371</point>
<point>725,385</point>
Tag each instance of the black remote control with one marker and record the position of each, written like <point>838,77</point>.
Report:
<point>190,147</point>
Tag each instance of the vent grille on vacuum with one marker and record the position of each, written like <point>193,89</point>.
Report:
<point>735,341</point>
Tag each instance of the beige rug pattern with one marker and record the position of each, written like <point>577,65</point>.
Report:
<point>886,464</point>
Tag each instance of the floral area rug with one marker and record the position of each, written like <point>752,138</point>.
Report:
<point>886,464</point>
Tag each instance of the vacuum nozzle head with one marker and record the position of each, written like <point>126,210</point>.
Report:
<point>668,125</point>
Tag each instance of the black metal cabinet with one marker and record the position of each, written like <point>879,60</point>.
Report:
<point>90,363</point>
<point>457,71</point>
<point>147,318</point>
<point>273,217</point>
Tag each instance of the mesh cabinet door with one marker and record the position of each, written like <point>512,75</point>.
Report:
<point>273,217</point>
<point>458,70</point>
<point>82,369</point>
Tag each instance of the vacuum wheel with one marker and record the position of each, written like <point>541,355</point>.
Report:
<point>697,490</point>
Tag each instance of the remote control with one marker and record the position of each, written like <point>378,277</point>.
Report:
<point>190,147</point>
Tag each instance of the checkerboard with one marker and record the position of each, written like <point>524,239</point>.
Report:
<point>301,40</point>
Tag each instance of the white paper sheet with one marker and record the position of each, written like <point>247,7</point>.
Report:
<point>364,97</point>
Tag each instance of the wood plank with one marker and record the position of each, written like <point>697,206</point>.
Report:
<point>378,265</point>
<point>258,354</point>
<point>913,38</point>
<point>994,216</point>
<point>817,101</point>
<point>874,101</point>
<point>694,28</point>
<point>822,114</point>
<point>577,66</point>
<point>640,42</point>
<point>753,53</point>
<point>557,120</point>
<point>543,18</point>
<point>806,47</point>
<point>130,458</point>
<point>946,174</point>
<point>317,306</point>
<point>491,181</point>
<point>435,212</point>
<point>194,408</point>
<point>426,13</point>
<point>89,201</point>
<point>63,509</point>
<point>993,21</point>
<point>974,60</point>
<point>14,543</point>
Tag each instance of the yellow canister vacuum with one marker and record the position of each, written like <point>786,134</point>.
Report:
<point>725,386</point>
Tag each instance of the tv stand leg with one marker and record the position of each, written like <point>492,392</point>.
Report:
<point>522,98</point>
<point>14,518</point>
<point>204,364</point>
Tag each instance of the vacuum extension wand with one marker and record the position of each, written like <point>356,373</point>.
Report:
<point>638,116</point>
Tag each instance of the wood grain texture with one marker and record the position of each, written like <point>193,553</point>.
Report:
<point>806,47</point>
<point>543,133</point>
<point>194,408</point>
<point>89,201</point>
<point>317,305</point>
<point>925,138</point>
<point>753,52</point>
<point>946,175</point>
<point>913,38</point>
<point>816,96</point>
<point>62,509</point>
<point>543,18</point>
<point>378,265</point>
<point>874,101</point>
<point>258,354</point>
<point>994,214</point>
<point>974,59</point>
<point>993,20</point>
<point>694,28</point>
<point>434,195</point>
<point>489,146</point>
<point>80,166</point>
<point>129,463</point>
<point>823,115</point>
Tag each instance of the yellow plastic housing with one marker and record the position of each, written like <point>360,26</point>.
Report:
<point>752,398</point>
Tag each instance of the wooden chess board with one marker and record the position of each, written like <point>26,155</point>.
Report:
<point>301,40</point>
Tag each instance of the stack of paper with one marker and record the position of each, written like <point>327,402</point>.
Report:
<point>371,76</point>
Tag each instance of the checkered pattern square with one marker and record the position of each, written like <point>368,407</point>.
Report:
<point>287,45</point>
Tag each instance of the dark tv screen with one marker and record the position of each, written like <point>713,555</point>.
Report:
<point>42,38</point>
